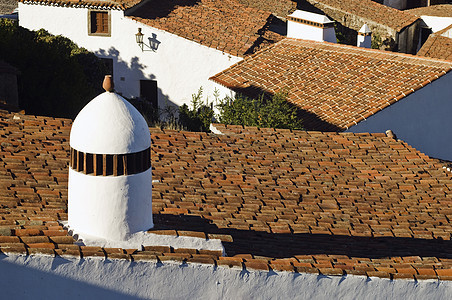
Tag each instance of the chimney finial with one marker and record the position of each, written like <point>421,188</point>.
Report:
<point>391,134</point>
<point>108,84</point>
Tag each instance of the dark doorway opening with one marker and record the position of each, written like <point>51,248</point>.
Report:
<point>148,92</point>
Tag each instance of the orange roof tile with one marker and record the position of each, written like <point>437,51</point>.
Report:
<point>224,25</point>
<point>280,8</point>
<point>443,10</point>
<point>437,46</point>
<point>335,85</point>
<point>112,4</point>
<point>330,203</point>
<point>368,9</point>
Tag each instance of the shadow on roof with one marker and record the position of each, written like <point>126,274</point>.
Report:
<point>155,9</point>
<point>288,245</point>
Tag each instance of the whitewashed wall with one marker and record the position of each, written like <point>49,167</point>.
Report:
<point>40,277</point>
<point>180,66</point>
<point>436,23</point>
<point>423,119</point>
<point>308,32</point>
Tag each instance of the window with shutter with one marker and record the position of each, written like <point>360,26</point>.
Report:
<point>99,23</point>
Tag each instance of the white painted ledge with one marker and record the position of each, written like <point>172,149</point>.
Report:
<point>139,239</point>
<point>44,277</point>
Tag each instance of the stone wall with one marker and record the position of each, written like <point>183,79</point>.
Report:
<point>383,37</point>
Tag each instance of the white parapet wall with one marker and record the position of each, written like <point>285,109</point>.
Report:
<point>179,66</point>
<point>45,277</point>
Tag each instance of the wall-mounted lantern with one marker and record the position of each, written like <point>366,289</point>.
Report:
<point>153,42</point>
<point>139,38</point>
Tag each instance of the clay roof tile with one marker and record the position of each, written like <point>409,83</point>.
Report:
<point>329,203</point>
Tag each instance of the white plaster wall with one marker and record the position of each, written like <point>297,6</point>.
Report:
<point>307,32</point>
<point>399,4</point>
<point>31,277</point>
<point>436,23</point>
<point>448,33</point>
<point>423,119</point>
<point>364,41</point>
<point>180,66</point>
<point>111,207</point>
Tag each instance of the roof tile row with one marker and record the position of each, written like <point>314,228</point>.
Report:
<point>368,9</point>
<point>442,10</point>
<point>224,25</point>
<point>438,45</point>
<point>336,86</point>
<point>111,4</point>
<point>295,201</point>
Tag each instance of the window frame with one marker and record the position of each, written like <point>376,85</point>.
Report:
<point>90,12</point>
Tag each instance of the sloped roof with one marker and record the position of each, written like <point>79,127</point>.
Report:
<point>224,25</point>
<point>337,86</point>
<point>438,46</point>
<point>334,203</point>
<point>280,8</point>
<point>112,4</point>
<point>7,6</point>
<point>370,10</point>
<point>442,10</point>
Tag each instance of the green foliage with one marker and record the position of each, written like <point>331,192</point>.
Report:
<point>149,112</point>
<point>199,116</point>
<point>57,78</point>
<point>345,35</point>
<point>274,112</point>
<point>376,42</point>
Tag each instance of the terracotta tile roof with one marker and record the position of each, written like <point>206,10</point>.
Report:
<point>443,10</point>
<point>437,46</point>
<point>367,9</point>
<point>7,6</point>
<point>224,25</point>
<point>335,85</point>
<point>329,203</point>
<point>280,8</point>
<point>112,4</point>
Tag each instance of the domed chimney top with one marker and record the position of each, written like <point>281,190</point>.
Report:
<point>110,174</point>
<point>109,125</point>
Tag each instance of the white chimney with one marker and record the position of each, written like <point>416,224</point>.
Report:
<point>110,193</point>
<point>364,39</point>
<point>310,26</point>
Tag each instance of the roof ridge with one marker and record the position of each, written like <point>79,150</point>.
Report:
<point>227,26</point>
<point>375,6</point>
<point>382,52</point>
<point>325,69</point>
<point>440,32</point>
<point>242,61</point>
<point>112,4</point>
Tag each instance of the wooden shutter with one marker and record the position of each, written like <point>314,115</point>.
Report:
<point>99,22</point>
